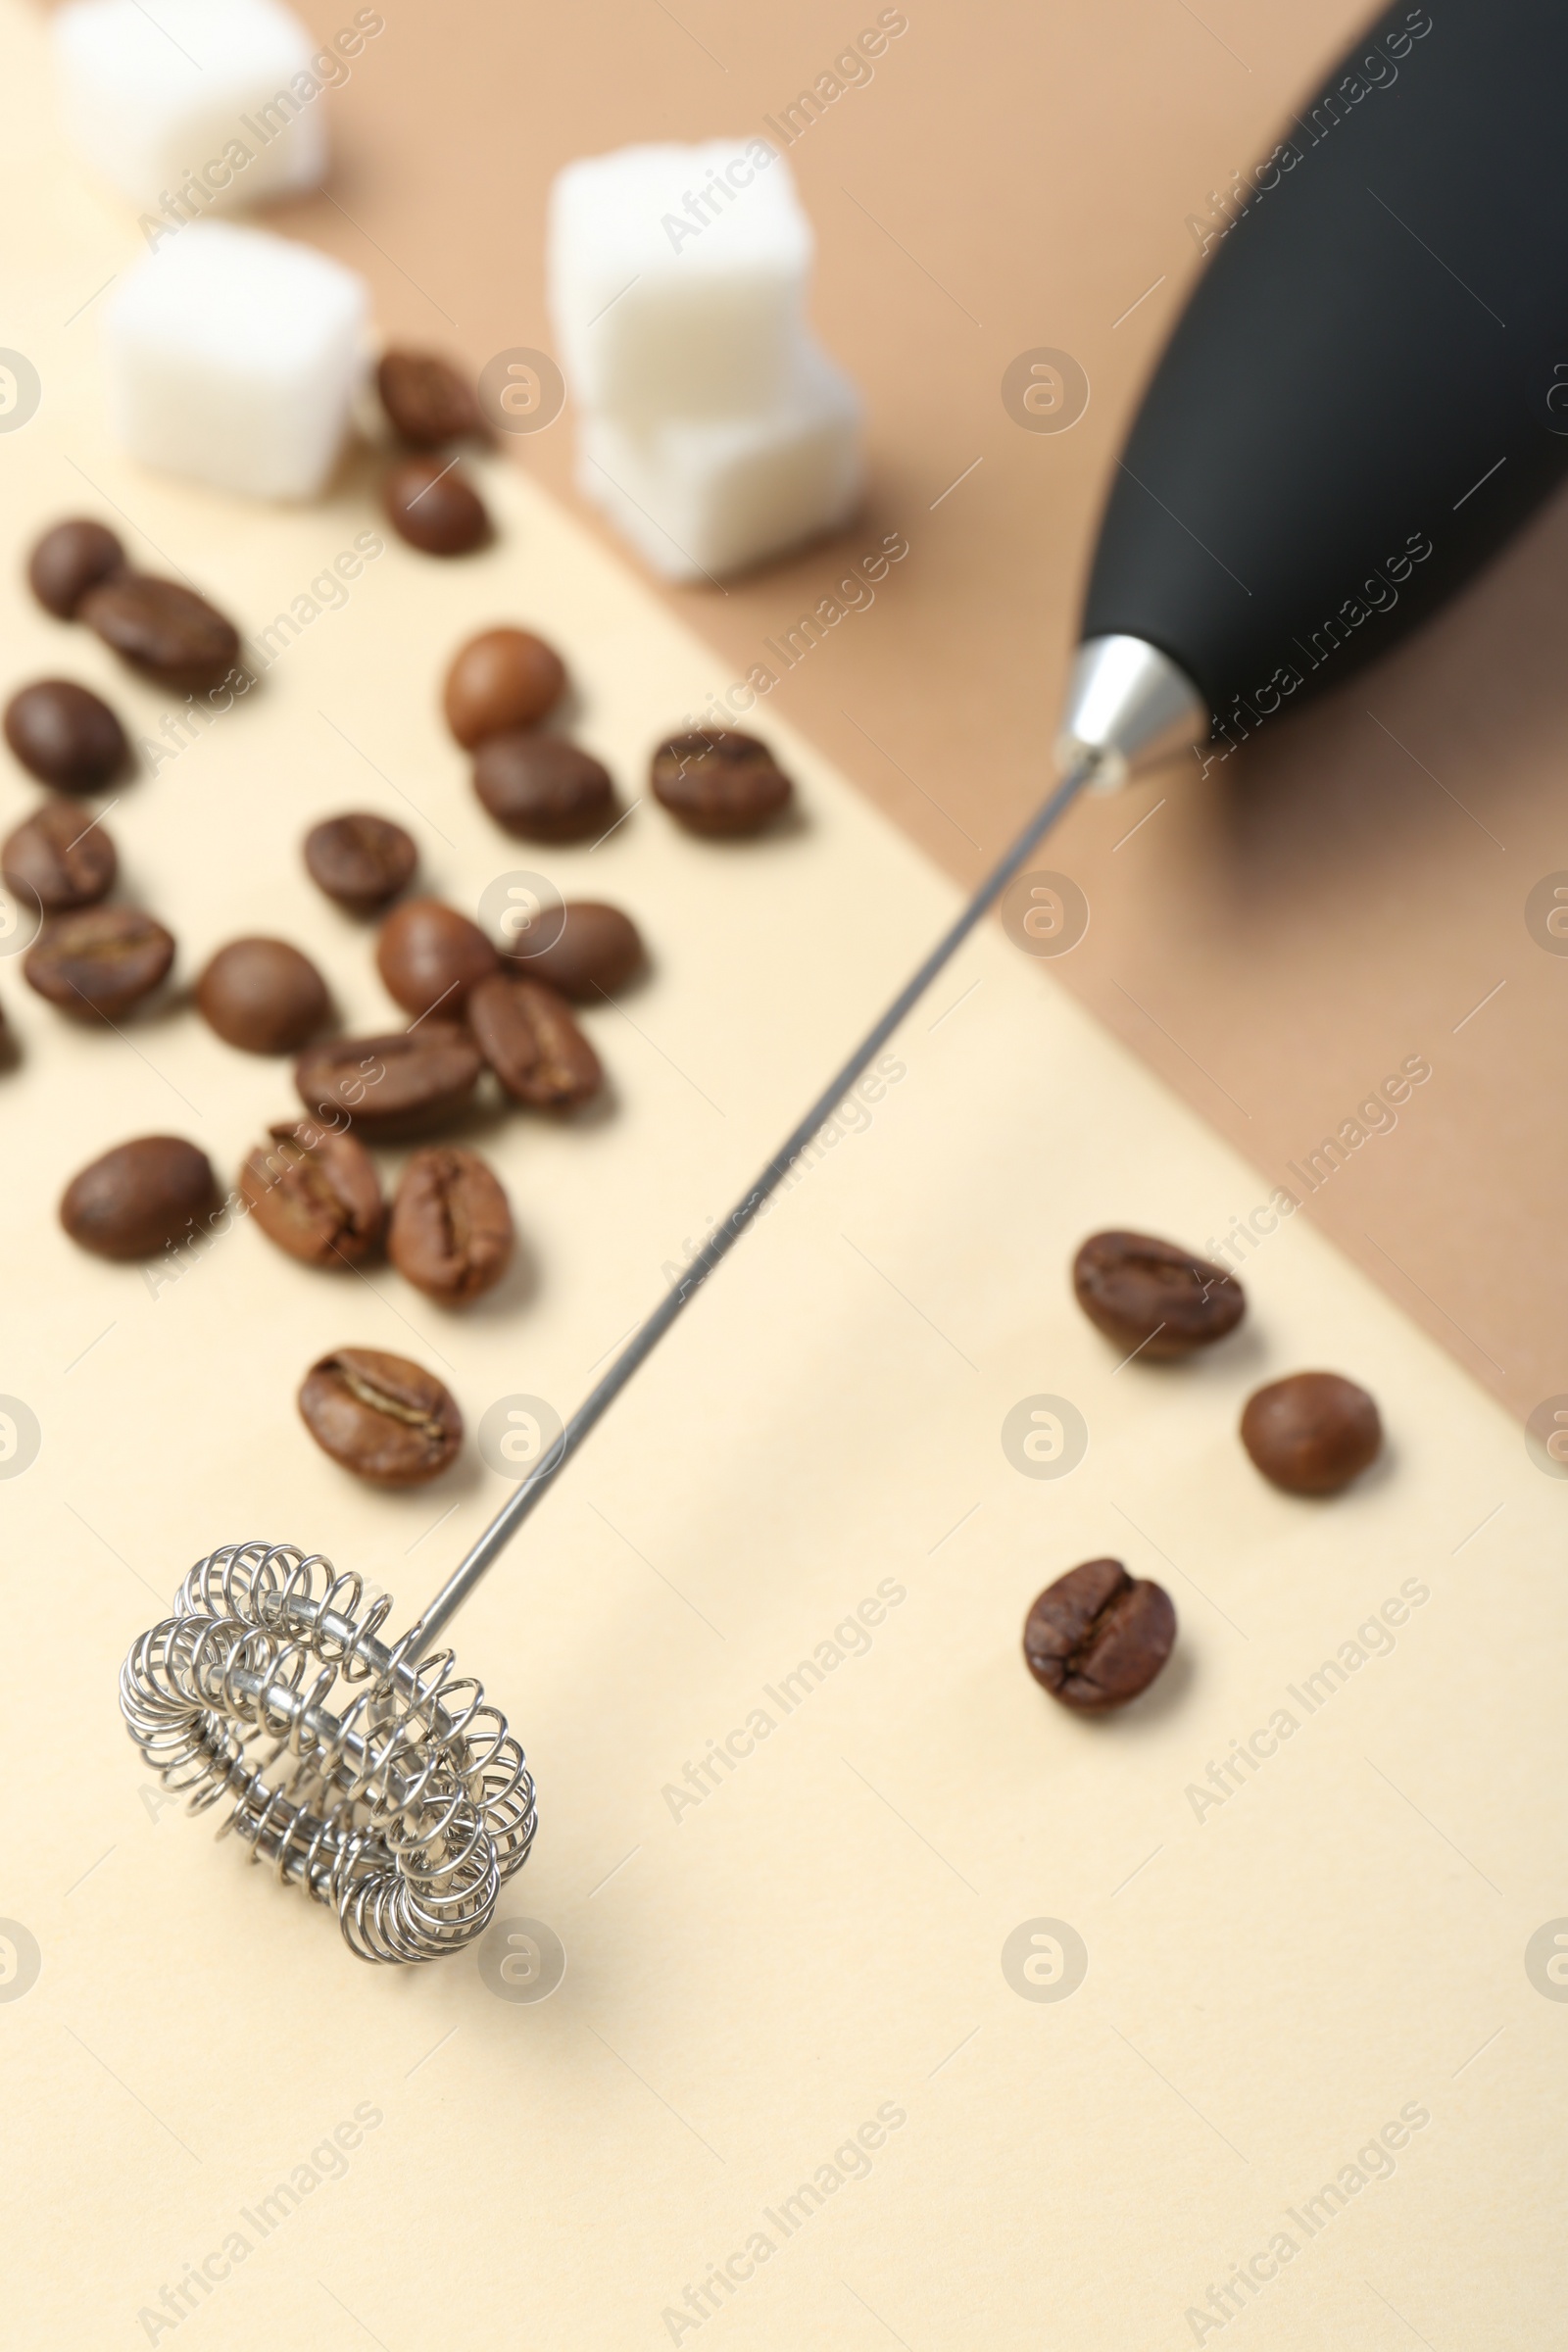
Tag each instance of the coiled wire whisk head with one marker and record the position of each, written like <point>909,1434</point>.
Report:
<point>403,1805</point>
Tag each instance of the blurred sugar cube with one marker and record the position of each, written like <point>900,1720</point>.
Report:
<point>233,357</point>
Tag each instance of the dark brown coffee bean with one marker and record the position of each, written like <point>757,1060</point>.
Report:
<point>358,860</point>
<point>65,735</point>
<point>139,1198</point>
<point>384,1418</point>
<point>429,955</point>
<point>595,952</point>
<point>101,960</point>
<point>1312,1433</point>
<point>58,858</point>
<point>718,781</point>
<point>1152,1299</point>
<point>162,628</point>
<point>426,400</point>
<point>530,1039</point>
<point>543,788</point>
<point>263,996</point>
<point>500,681</point>
<point>315,1194</point>
<point>451,1232</point>
<point>431,504</point>
<point>70,559</point>
<point>1095,1637</point>
<point>401,1084</point>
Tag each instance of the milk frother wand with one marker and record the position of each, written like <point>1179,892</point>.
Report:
<point>1364,398</point>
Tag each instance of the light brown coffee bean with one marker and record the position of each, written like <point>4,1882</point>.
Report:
<point>451,1233</point>
<point>431,504</point>
<point>719,782</point>
<point>263,996</point>
<point>543,788</point>
<point>1312,1433</point>
<point>1096,1638</point>
<point>162,628</point>
<point>58,858</point>
<point>99,960</point>
<point>315,1194</point>
<point>361,861</point>
<point>596,950</point>
<point>500,681</point>
<point>384,1418</point>
<point>429,955</point>
<point>404,1083</point>
<point>139,1198</point>
<point>426,401</point>
<point>68,560</point>
<point>528,1036</point>
<point>1152,1299</point>
<point>65,735</point>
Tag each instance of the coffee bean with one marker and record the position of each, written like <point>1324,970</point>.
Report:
<point>1095,1637</point>
<point>1312,1433</point>
<point>263,996</point>
<point>162,628</point>
<point>384,1418</point>
<point>358,860</point>
<point>399,1084</point>
<point>431,955</point>
<point>543,788</point>
<point>1152,1297</point>
<point>100,960</point>
<point>431,504</point>
<point>595,952</point>
<point>58,858</point>
<point>530,1039</point>
<point>70,559</point>
<point>451,1232</point>
<point>65,735</point>
<point>500,681</point>
<point>139,1198</point>
<point>426,400</point>
<point>718,781</point>
<point>315,1194</point>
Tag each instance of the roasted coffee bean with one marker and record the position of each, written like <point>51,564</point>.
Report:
<point>315,1192</point>
<point>1152,1299</point>
<point>595,952</point>
<point>401,1084</point>
<point>718,781</point>
<point>500,681</point>
<point>65,735</point>
<point>1312,1433</point>
<point>426,400</point>
<point>1095,1637</point>
<point>139,1198</point>
<point>361,861</point>
<point>162,628</point>
<point>451,1232</point>
<point>429,955</point>
<point>263,996</point>
<point>384,1418</point>
<point>431,504</point>
<point>543,788</point>
<point>58,858</point>
<point>530,1039</point>
<point>70,559</point>
<point>100,960</point>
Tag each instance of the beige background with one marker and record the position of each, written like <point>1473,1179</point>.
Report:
<point>1266,1985</point>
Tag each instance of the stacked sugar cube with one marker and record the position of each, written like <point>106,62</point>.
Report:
<point>714,430</point>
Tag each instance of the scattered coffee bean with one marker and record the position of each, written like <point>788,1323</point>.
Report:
<point>543,788</point>
<point>263,996</point>
<point>429,955</point>
<point>595,952</point>
<point>718,781</point>
<point>65,735</point>
<point>162,628</point>
<point>1095,1637</point>
<point>1150,1298</point>
<point>1312,1433</point>
<point>500,681</point>
<point>530,1039</point>
<point>100,960</point>
<point>59,859</point>
<point>315,1194</point>
<point>451,1232</point>
<point>384,1418</point>
<point>361,861</point>
<point>431,504</point>
<point>70,559</point>
<point>401,1084</point>
<point>426,400</point>
<point>139,1198</point>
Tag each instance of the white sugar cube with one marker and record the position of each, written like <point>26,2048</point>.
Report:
<point>233,356</point>
<point>698,498</point>
<point>187,104</point>
<point>677,278</point>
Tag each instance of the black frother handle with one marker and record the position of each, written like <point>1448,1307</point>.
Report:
<point>1359,402</point>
